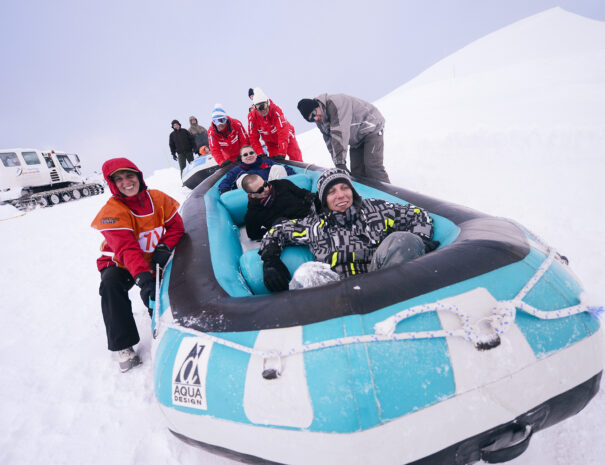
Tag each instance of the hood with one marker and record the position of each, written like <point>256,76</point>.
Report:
<point>116,164</point>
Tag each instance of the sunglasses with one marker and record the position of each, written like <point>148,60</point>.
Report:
<point>261,106</point>
<point>220,120</point>
<point>261,189</point>
<point>313,115</point>
<point>248,154</point>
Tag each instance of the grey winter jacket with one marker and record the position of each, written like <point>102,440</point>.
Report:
<point>347,241</point>
<point>347,121</point>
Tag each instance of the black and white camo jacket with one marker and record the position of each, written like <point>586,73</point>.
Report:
<point>347,241</point>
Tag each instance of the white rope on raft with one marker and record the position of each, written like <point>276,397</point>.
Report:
<point>482,336</point>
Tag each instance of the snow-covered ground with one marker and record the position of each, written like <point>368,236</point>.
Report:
<point>512,125</point>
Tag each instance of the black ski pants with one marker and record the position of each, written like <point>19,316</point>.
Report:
<point>184,158</point>
<point>117,309</point>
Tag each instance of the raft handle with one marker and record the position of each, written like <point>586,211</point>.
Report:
<point>509,444</point>
<point>272,365</point>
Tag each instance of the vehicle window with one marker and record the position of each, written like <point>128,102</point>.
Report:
<point>66,163</point>
<point>31,158</point>
<point>9,159</point>
<point>49,161</point>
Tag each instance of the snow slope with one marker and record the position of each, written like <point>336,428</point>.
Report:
<point>511,125</point>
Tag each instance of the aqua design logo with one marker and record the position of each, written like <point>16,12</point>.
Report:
<point>189,373</point>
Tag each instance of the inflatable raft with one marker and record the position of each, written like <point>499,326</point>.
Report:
<point>198,170</point>
<point>457,356</point>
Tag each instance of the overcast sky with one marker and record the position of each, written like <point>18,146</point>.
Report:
<point>105,78</point>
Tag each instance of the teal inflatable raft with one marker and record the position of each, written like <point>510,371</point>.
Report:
<point>458,356</point>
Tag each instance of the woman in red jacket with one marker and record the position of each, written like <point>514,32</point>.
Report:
<point>267,120</point>
<point>140,228</point>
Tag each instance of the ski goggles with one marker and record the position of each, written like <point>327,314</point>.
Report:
<point>313,115</point>
<point>220,120</point>
<point>262,106</point>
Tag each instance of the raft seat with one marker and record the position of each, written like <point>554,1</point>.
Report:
<point>251,265</point>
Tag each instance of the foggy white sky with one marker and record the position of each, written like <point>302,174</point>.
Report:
<point>106,78</point>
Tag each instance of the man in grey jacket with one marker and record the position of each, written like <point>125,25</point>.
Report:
<point>349,121</point>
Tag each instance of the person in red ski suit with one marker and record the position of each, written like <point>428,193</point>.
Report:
<point>140,227</point>
<point>226,137</point>
<point>267,120</point>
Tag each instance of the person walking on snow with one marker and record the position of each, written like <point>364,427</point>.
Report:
<point>181,142</point>
<point>348,236</point>
<point>226,137</point>
<point>199,133</point>
<point>349,121</point>
<point>140,228</point>
<point>267,120</point>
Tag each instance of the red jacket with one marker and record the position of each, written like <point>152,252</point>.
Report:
<point>133,226</point>
<point>225,145</point>
<point>276,131</point>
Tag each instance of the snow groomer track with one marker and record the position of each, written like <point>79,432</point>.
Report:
<point>460,355</point>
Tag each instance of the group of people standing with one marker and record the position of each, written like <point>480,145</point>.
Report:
<point>347,124</point>
<point>346,234</point>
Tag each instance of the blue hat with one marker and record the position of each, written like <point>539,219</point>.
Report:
<point>218,112</point>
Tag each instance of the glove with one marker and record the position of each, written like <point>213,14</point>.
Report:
<point>161,254</point>
<point>429,246</point>
<point>275,275</point>
<point>174,156</point>
<point>147,284</point>
<point>343,166</point>
<point>227,163</point>
<point>279,158</point>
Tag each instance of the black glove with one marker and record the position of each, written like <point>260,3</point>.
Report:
<point>279,158</point>
<point>174,156</point>
<point>429,246</point>
<point>161,254</point>
<point>227,163</point>
<point>275,275</point>
<point>342,166</point>
<point>147,284</point>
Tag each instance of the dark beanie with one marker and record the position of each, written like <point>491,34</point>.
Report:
<point>250,92</point>
<point>175,121</point>
<point>330,177</point>
<point>306,106</point>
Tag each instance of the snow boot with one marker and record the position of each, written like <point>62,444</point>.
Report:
<point>128,359</point>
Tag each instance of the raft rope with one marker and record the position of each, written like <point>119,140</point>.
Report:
<point>484,333</point>
<point>13,217</point>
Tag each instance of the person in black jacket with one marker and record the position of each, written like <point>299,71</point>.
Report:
<point>272,202</point>
<point>182,143</point>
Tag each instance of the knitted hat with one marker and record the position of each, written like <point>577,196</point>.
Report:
<point>306,106</point>
<point>330,177</point>
<point>259,96</point>
<point>218,112</point>
<point>175,121</point>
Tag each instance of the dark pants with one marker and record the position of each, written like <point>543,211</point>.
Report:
<point>184,158</point>
<point>367,159</point>
<point>117,310</point>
